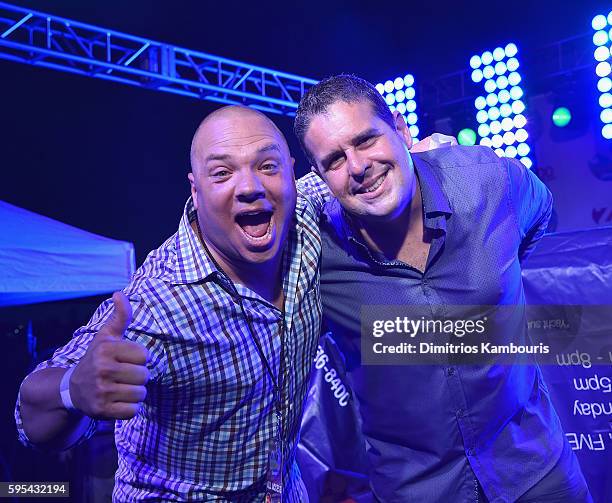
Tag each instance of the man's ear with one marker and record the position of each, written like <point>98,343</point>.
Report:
<point>402,128</point>
<point>194,190</point>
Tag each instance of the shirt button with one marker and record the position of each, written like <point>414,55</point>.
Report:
<point>470,451</point>
<point>450,371</point>
<point>460,412</point>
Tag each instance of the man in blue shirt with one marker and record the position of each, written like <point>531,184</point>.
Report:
<point>445,227</point>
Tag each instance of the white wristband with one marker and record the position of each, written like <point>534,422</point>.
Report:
<point>65,390</point>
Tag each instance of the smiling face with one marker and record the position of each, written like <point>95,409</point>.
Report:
<point>243,186</point>
<point>363,160</point>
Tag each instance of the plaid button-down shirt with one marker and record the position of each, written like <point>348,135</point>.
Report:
<point>203,431</point>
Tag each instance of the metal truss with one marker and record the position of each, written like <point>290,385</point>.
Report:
<point>39,39</point>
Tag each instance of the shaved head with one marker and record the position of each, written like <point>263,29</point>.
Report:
<point>226,116</point>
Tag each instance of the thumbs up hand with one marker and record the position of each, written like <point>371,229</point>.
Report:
<point>109,381</point>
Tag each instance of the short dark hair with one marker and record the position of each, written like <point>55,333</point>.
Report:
<point>347,88</point>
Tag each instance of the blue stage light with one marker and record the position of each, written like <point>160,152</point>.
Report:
<point>511,50</point>
<point>599,22</point>
<point>475,61</point>
<point>605,100</point>
<point>495,127</point>
<point>512,64</point>
<point>412,118</point>
<point>603,69</point>
<point>401,108</point>
<point>500,68</point>
<point>414,131</point>
<point>390,99</point>
<point>486,142</point>
<point>482,116</point>
<point>483,130</point>
<point>410,106</point>
<point>601,53</point>
<point>527,162</point>
<point>522,149</point>
<point>606,115</point>
<point>508,137</point>
<point>503,96</point>
<point>519,121</point>
<point>490,86</point>
<point>480,103</point>
<point>499,152</point>
<point>507,124</point>
<point>521,136</point>
<point>487,58</point>
<point>510,151</point>
<point>408,80</point>
<point>518,107</point>
<point>497,141</point>
<point>398,83</point>
<point>606,131</point>
<point>399,95</point>
<point>600,37</point>
<point>488,72</point>
<point>502,82</point>
<point>498,54</point>
<point>505,110</point>
<point>514,79</point>
<point>380,88</point>
<point>409,92</point>
<point>492,99</point>
<point>516,93</point>
<point>389,86</point>
<point>477,75</point>
<point>493,113</point>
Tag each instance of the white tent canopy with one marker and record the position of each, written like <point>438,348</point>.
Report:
<point>42,259</point>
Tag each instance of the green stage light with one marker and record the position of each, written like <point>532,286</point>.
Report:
<point>466,136</point>
<point>561,117</point>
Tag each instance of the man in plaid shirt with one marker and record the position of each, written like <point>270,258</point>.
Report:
<point>204,358</point>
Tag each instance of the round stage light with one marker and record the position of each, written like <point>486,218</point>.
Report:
<point>380,88</point>
<point>605,100</point>
<point>495,127</point>
<point>502,82</point>
<point>497,141</point>
<point>511,50</point>
<point>507,124</point>
<point>521,136</point>
<point>610,17</point>
<point>498,54</point>
<point>492,100</point>
<point>412,118</point>
<point>489,86</point>
<point>483,130</point>
<point>606,115</point>
<point>500,68</point>
<point>401,108</point>
<point>480,102</point>
<point>516,93</point>
<point>601,53</point>
<point>392,108</point>
<point>514,79</point>
<point>408,80</point>
<point>499,152</point>
<point>390,99</point>
<point>604,85</point>
<point>526,162</point>
<point>475,61</point>
<point>519,121</point>
<point>414,131</point>
<point>389,86</point>
<point>477,75</point>
<point>504,96</point>
<point>486,58</point>
<point>466,136</point>
<point>505,110</point>
<point>561,117</point>
<point>603,69</point>
<point>482,116</point>
<point>599,22</point>
<point>606,131</point>
<point>600,37</point>
<point>398,83</point>
<point>493,113</point>
<point>410,106</point>
<point>485,142</point>
<point>409,93</point>
<point>522,149</point>
<point>518,107</point>
<point>399,95</point>
<point>488,72</point>
<point>510,151</point>
<point>512,64</point>
<point>509,138</point>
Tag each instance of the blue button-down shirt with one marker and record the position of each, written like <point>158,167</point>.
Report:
<point>434,432</point>
<point>203,431</point>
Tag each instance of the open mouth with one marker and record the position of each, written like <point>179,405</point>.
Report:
<point>256,225</point>
<point>372,188</point>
